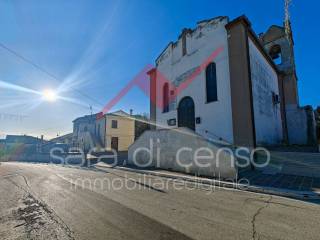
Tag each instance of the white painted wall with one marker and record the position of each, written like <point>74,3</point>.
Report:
<point>216,117</point>
<point>267,115</point>
<point>175,150</point>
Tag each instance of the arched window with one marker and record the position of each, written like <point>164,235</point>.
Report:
<point>275,53</point>
<point>165,97</point>
<point>211,83</point>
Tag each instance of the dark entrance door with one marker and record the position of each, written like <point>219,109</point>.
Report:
<point>114,143</point>
<point>186,115</point>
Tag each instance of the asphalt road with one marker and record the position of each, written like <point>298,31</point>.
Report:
<point>39,201</point>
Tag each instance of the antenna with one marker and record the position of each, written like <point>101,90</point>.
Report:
<point>287,25</point>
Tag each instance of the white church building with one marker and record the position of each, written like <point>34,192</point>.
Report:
<point>226,85</point>
<point>235,98</point>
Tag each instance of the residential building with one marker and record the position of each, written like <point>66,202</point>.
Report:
<point>84,132</point>
<point>104,132</point>
<point>22,139</point>
<point>120,131</point>
<point>14,145</point>
<point>63,142</point>
<point>66,139</point>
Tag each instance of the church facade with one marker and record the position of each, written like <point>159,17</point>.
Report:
<point>224,82</point>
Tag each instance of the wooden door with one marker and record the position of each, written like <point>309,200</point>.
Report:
<point>114,143</point>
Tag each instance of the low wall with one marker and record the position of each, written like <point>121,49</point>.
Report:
<point>297,125</point>
<point>45,158</point>
<point>301,125</point>
<point>184,151</point>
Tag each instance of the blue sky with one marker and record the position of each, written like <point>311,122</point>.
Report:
<point>99,46</point>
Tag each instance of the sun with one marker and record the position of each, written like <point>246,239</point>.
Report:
<point>49,95</point>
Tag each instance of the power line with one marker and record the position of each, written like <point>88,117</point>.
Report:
<point>40,68</point>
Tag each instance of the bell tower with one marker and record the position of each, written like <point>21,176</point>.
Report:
<point>298,122</point>
<point>278,42</point>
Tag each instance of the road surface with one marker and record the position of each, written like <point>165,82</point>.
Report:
<point>39,201</point>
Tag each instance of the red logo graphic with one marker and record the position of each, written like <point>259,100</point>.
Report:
<point>149,75</point>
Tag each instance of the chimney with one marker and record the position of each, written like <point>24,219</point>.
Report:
<point>131,112</point>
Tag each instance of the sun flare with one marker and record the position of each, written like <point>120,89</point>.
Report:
<point>49,95</point>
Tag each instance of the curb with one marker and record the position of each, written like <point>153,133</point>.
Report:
<point>301,195</point>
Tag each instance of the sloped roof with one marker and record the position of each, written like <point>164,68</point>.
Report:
<point>22,139</point>
<point>86,118</point>
<point>274,32</point>
<point>119,113</point>
<point>69,135</point>
<point>96,116</point>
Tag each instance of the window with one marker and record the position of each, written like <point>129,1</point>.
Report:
<point>275,98</point>
<point>211,83</point>
<point>165,97</point>
<point>275,53</point>
<point>114,124</point>
<point>184,45</point>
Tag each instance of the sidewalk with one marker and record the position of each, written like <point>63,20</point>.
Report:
<point>296,171</point>
<point>306,164</point>
<point>303,188</point>
<point>281,180</point>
